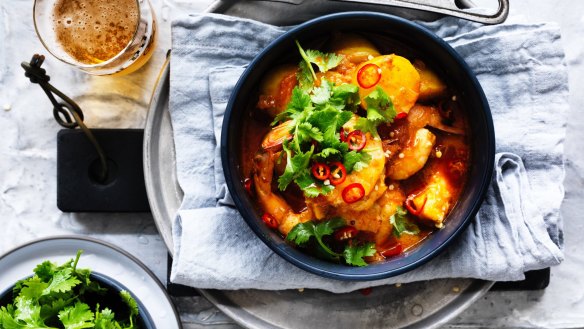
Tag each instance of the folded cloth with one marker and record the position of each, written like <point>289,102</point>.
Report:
<point>518,228</point>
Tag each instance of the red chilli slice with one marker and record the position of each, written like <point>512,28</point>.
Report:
<point>343,135</point>
<point>356,140</point>
<point>369,75</point>
<point>353,193</point>
<point>401,115</point>
<point>412,209</point>
<point>248,184</point>
<point>392,250</point>
<point>270,220</point>
<point>345,233</point>
<point>321,171</point>
<point>338,173</point>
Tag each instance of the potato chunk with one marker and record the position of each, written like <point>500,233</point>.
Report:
<point>431,86</point>
<point>354,47</point>
<point>399,80</point>
<point>435,199</point>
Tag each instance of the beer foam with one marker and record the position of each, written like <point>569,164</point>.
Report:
<point>94,31</point>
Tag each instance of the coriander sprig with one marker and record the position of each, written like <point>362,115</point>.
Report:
<point>353,254</point>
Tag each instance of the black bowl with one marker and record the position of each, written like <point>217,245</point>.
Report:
<point>390,34</point>
<point>111,299</point>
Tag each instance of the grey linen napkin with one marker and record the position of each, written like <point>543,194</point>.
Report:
<point>518,228</point>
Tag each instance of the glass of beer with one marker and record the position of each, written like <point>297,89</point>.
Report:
<point>97,36</point>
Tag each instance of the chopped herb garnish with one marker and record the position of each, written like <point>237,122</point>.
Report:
<point>315,115</point>
<point>353,254</point>
<point>402,224</point>
<point>379,107</point>
<point>356,160</point>
<point>324,61</point>
<point>296,165</point>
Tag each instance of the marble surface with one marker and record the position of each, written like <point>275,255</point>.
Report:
<point>28,165</point>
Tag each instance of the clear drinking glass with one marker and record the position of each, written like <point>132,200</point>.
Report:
<point>97,36</point>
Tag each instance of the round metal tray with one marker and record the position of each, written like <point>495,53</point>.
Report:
<point>428,304</point>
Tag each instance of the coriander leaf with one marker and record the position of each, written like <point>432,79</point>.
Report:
<point>364,162</point>
<point>402,224</point>
<point>132,305</point>
<point>130,302</point>
<point>366,126</point>
<point>77,317</point>
<point>321,95</point>
<point>33,288</point>
<point>301,233</point>
<point>299,101</point>
<point>329,121</point>
<point>88,286</point>
<point>354,254</point>
<point>344,117</point>
<point>28,311</point>
<point>83,274</point>
<point>325,118</point>
<point>295,110</point>
<point>304,77</point>
<point>295,165</point>
<point>345,97</point>
<point>67,264</point>
<point>329,226</point>
<point>327,152</point>
<point>354,160</point>
<point>51,310</point>
<point>379,107</point>
<point>7,320</point>
<point>46,270</point>
<point>326,228</point>
<point>314,191</point>
<point>309,186</point>
<point>305,132</point>
<point>62,282</point>
<point>105,320</point>
<point>324,61</point>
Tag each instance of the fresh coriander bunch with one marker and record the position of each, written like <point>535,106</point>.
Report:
<point>64,296</point>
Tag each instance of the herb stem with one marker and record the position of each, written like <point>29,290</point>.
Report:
<point>325,247</point>
<point>305,58</point>
<point>79,252</point>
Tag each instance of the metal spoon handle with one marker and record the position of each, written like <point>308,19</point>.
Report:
<point>446,7</point>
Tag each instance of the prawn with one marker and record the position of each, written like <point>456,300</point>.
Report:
<point>421,116</point>
<point>414,156</point>
<point>270,202</point>
<point>420,141</point>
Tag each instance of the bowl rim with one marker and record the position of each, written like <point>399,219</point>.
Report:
<point>346,272</point>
